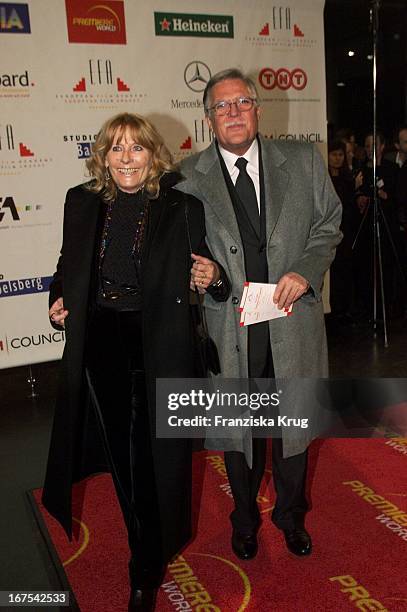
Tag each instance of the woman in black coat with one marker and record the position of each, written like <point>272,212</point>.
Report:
<point>121,290</point>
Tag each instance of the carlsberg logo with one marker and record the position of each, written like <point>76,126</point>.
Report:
<point>184,24</point>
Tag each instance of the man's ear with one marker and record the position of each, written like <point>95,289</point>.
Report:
<point>209,123</point>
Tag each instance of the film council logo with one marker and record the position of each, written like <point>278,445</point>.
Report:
<point>283,79</point>
<point>14,18</point>
<point>96,22</point>
<point>196,76</point>
<point>185,24</point>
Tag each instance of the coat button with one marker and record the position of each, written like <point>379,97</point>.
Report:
<point>233,249</point>
<point>262,249</point>
<point>178,300</point>
<point>235,300</point>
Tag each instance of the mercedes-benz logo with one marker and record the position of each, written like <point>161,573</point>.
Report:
<point>196,76</point>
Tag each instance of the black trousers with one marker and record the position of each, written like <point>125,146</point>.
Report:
<point>114,360</point>
<point>289,477</point>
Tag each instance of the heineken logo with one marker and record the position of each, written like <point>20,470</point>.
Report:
<point>184,24</point>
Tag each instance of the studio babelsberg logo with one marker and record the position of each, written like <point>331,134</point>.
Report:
<point>186,24</point>
<point>14,18</point>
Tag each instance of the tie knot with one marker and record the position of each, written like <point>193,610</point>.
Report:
<point>241,163</point>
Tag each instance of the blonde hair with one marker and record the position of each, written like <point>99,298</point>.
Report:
<point>142,132</point>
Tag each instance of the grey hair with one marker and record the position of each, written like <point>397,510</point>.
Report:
<point>224,75</point>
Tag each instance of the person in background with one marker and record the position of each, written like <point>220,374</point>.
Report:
<point>341,271</point>
<point>122,292</point>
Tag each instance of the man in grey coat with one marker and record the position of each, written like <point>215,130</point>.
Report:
<point>272,216</point>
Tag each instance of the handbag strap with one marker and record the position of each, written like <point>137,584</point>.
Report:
<point>200,308</point>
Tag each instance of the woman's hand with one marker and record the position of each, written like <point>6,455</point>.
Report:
<point>204,272</point>
<point>57,313</point>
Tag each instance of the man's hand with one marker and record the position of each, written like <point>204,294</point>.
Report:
<point>289,288</point>
<point>57,313</point>
<point>204,272</point>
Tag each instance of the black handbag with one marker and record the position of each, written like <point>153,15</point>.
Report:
<point>206,350</point>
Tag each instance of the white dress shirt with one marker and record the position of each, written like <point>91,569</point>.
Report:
<point>252,168</point>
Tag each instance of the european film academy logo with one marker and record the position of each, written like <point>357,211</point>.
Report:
<point>14,18</point>
<point>100,87</point>
<point>16,155</point>
<point>90,21</point>
<point>280,30</point>
<point>185,24</point>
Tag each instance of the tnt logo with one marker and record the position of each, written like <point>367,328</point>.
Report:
<point>282,78</point>
<point>9,207</point>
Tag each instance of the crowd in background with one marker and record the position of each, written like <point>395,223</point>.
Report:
<point>352,272</point>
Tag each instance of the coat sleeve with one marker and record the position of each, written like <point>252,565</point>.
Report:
<point>324,235</point>
<point>56,289</point>
<point>198,232</point>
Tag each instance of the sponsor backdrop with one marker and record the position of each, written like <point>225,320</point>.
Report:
<point>67,65</point>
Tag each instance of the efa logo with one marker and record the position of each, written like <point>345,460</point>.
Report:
<point>93,22</point>
<point>282,78</point>
<point>8,142</point>
<point>100,73</point>
<point>9,211</point>
<point>14,18</point>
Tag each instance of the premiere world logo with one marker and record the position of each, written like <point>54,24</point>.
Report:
<point>95,22</point>
<point>390,516</point>
<point>185,24</point>
<point>186,590</point>
<point>357,593</point>
<point>14,18</point>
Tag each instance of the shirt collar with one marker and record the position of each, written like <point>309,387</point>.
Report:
<point>252,156</point>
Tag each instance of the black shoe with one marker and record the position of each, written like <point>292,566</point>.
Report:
<point>142,600</point>
<point>298,541</point>
<point>244,546</point>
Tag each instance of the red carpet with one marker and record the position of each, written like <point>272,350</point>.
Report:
<point>358,522</point>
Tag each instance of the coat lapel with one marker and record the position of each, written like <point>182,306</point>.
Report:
<point>211,183</point>
<point>276,181</point>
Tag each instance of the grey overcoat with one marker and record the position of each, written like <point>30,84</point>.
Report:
<point>303,215</point>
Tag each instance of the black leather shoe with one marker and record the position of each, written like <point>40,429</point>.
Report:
<point>244,546</point>
<point>298,541</point>
<point>142,600</point>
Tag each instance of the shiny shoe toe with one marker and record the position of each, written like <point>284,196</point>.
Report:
<point>298,541</point>
<point>244,546</point>
<point>142,600</point>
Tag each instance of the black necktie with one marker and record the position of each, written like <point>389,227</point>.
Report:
<point>247,193</point>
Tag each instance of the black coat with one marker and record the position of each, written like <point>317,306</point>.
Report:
<point>167,344</point>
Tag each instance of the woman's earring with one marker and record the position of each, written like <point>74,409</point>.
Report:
<point>107,176</point>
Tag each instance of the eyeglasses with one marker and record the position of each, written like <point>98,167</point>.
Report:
<point>119,290</point>
<point>224,107</point>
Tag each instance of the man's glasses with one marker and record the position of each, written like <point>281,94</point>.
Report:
<point>224,107</point>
